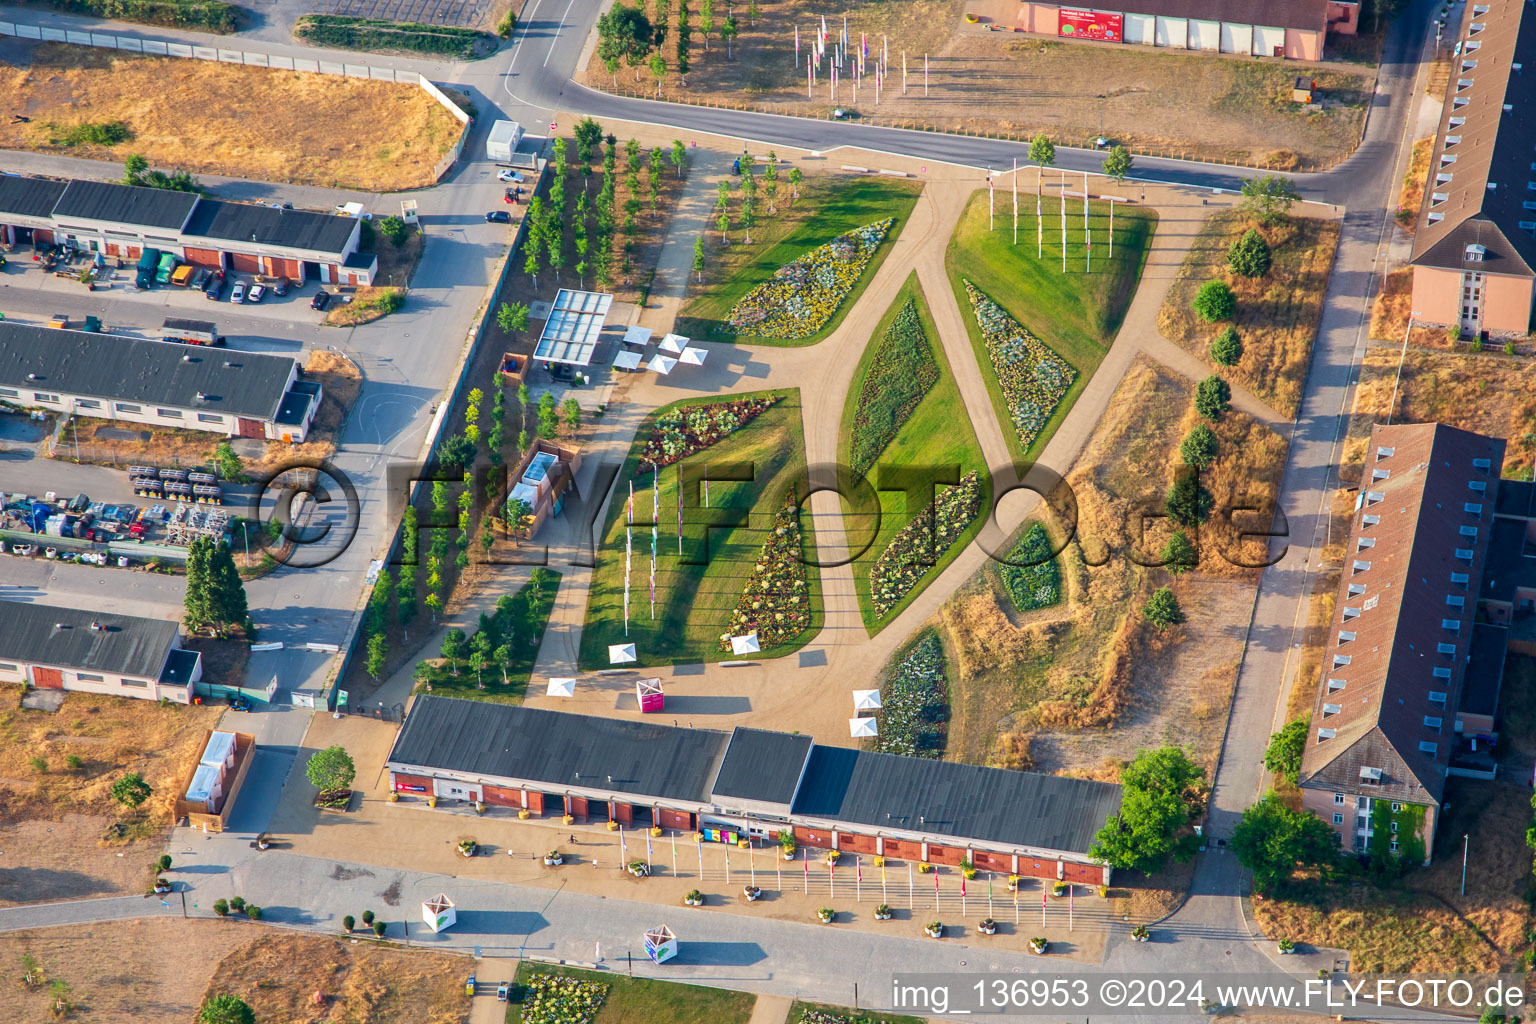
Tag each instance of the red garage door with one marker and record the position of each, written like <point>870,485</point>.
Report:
<point>535,801</point>
<point>623,813</point>
<point>902,849</point>
<point>576,806</point>
<point>499,796</point>
<point>411,783</point>
<point>204,257</point>
<point>240,263</point>
<point>1088,874</point>
<point>682,821</point>
<point>992,861</point>
<point>945,854</point>
<point>817,838</point>
<point>855,844</point>
<point>284,268</point>
<point>1031,868</point>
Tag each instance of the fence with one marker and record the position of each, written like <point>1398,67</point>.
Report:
<point>252,59</point>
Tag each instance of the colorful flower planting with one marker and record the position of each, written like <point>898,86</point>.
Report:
<point>915,702</point>
<point>802,296</point>
<point>692,428</point>
<point>1030,573</point>
<point>901,373</point>
<point>922,542</point>
<point>775,602</point>
<point>1033,379</point>
<point>555,999</point>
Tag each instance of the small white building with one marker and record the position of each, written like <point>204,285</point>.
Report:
<point>54,648</point>
<point>502,142</point>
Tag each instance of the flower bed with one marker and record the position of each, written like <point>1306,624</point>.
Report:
<point>901,373</point>
<point>802,296</point>
<point>915,703</point>
<point>554,999</point>
<point>1035,585</point>
<point>1033,379</point>
<point>910,554</point>
<point>692,428</point>
<point>775,601</point>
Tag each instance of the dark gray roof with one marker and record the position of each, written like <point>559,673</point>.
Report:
<point>149,372</point>
<point>1485,669</point>
<point>128,646</point>
<point>125,204</point>
<point>960,800</point>
<point>762,765</point>
<point>178,667</point>
<point>29,197</point>
<point>1516,498</point>
<point>295,406</point>
<point>360,261</point>
<point>293,229</point>
<point>555,749</point>
<point>1508,565</point>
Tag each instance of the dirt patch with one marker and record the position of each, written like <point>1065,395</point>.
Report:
<point>1277,314</point>
<point>1154,102</point>
<point>159,984</point>
<point>1393,305</point>
<point>224,659</point>
<point>214,118</point>
<point>65,858</point>
<point>278,973</point>
<point>1147,898</point>
<point>1414,180</point>
<point>103,443</point>
<point>341,381</point>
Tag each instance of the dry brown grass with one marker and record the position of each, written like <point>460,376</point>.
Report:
<point>1414,181</point>
<point>159,446</point>
<point>1487,392</point>
<point>1393,305</point>
<point>1438,79</point>
<point>159,982</point>
<point>245,122</point>
<point>278,973</point>
<point>341,382</point>
<point>1277,314</point>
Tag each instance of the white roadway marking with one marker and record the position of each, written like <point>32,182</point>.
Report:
<point>506,81</point>
<point>555,41</point>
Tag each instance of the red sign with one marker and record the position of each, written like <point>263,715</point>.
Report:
<point>1099,25</point>
<point>410,787</point>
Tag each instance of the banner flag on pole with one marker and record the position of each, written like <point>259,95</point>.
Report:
<point>807,860</point>
<point>680,507</point>
<point>797,45</point>
<point>631,501</point>
<point>623,846</point>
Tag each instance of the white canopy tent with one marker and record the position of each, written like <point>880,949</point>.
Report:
<point>674,343</point>
<point>561,688</point>
<point>862,727</point>
<point>662,364</point>
<point>637,335</point>
<point>628,360</point>
<point>745,644</point>
<point>621,654</point>
<point>866,700</point>
<point>693,356</point>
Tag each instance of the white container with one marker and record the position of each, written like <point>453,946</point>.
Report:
<point>503,140</point>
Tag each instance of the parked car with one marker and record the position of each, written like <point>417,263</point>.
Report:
<point>281,287</point>
<point>200,278</point>
<point>238,295</point>
<point>504,991</point>
<point>280,206</point>
<point>469,986</point>
<point>321,300</point>
<point>507,174</point>
<point>257,293</point>
<point>213,288</point>
<point>498,217</point>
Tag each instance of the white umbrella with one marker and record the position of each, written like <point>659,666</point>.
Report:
<point>862,727</point>
<point>693,356</point>
<point>628,360</point>
<point>662,364</point>
<point>561,688</point>
<point>745,644</point>
<point>637,335</point>
<point>866,700</point>
<point>621,654</point>
<point>674,343</point>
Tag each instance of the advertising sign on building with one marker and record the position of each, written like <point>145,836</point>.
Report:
<point>1104,26</point>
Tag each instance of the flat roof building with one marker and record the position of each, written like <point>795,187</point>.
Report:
<point>57,648</point>
<point>1294,29</point>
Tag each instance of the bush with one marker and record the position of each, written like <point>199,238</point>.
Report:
<point>392,228</point>
<point>1179,555</point>
<point>367,917</point>
<point>1036,581</point>
<point>902,371</point>
<point>1199,447</point>
<point>206,15</point>
<point>386,300</point>
<point>1227,347</point>
<point>1213,397</point>
<point>1249,256</point>
<point>1285,749</point>
<point>1162,609</point>
<point>39,763</point>
<point>225,1009</point>
<point>348,923</point>
<point>92,133</point>
<point>507,23</point>
<point>164,863</point>
<point>237,904</point>
<point>1188,503</point>
<point>379,928</point>
<point>253,912</point>
<point>1214,301</point>
<point>353,33</point>
<point>221,907</point>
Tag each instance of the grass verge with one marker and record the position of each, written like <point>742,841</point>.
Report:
<point>1414,180</point>
<point>828,206</point>
<point>519,622</point>
<point>1077,314</point>
<point>379,35</point>
<point>802,1012</point>
<point>201,15</point>
<point>697,591</point>
<point>643,1001</point>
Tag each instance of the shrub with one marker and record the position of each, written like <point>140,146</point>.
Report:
<point>253,912</point>
<point>237,904</point>
<point>164,863</point>
<point>1199,447</point>
<point>1283,757</point>
<point>1188,503</point>
<point>39,763</point>
<point>1179,555</point>
<point>367,917</point>
<point>353,33</point>
<point>347,923</point>
<point>1214,302</point>
<point>1249,256</point>
<point>1162,609</point>
<point>92,133</point>
<point>1212,397</point>
<point>225,1009</point>
<point>221,907</point>
<point>507,23</point>
<point>392,228</point>
<point>1035,581</point>
<point>207,15</point>
<point>1509,348</point>
<point>1227,347</point>
<point>902,371</point>
<point>379,928</point>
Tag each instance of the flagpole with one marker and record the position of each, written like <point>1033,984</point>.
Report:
<point>858,880</point>
<point>925,74</point>
<point>674,854</point>
<point>991,203</point>
<point>699,843</point>
<point>1111,229</point>
<point>1087,238</point>
<point>903,72</point>
<point>1070,887</point>
<point>1015,200</point>
<point>727,849</point>
<point>1063,220</point>
<point>911,889</point>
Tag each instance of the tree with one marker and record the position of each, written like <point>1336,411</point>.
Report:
<point>794,184</point>
<point>1188,503</point>
<point>627,32</point>
<point>572,412</point>
<point>659,23</point>
<point>1227,347</point>
<point>1285,748</point>
<point>379,928</point>
<point>1214,301</point>
<point>504,659</point>
<point>131,790</point>
<point>1199,447</point>
<point>227,462</point>
<point>549,420</point>
<point>679,155</point>
<point>163,863</point>
<point>1179,555</point>
<point>1162,609</point>
<point>698,258</point>
<point>1117,163</point>
<point>1043,153</point>
<point>392,228</point>
<point>1213,396</point>
<point>1162,794</point>
<point>225,1009</point>
<point>453,648</point>
<point>1249,256</point>
<point>330,769</point>
<point>348,922</point>
<point>1269,199</point>
<point>512,317</point>
<point>518,512</point>
<point>136,171</point>
<point>456,451</point>
<point>707,21</point>
<point>133,168</point>
<point>589,134</point>
<point>683,57</point>
<point>1272,841</point>
<point>728,32</point>
<point>215,594</point>
<point>378,651</point>
<point>658,70</point>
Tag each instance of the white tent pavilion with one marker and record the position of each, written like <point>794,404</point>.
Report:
<point>866,700</point>
<point>621,654</point>
<point>439,913</point>
<point>745,644</point>
<point>660,944</point>
<point>662,364</point>
<point>637,335</point>
<point>674,343</point>
<point>693,356</point>
<point>628,360</point>
<point>561,688</point>
<point>862,727</point>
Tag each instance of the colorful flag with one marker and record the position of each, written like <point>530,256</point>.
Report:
<point>631,501</point>
<point>858,869</point>
<point>647,847</point>
<point>623,846</point>
<point>962,883</point>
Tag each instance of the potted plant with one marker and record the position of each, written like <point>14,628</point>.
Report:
<point>432,800</point>
<point>553,859</point>
<point>1038,945</point>
<point>825,915</point>
<point>1140,933</point>
<point>638,868</point>
<point>467,847</point>
<point>569,819</point>
<point>613,826</point>
<point>924,868</point>
<point>934,930</point>
<point>752,892</point>
<point>1285,946</point>
<point>1013,883</point>
<point>833,856</point>
<point>968,868</point>
<point>879,861</point>
<point>655,831</point>
<point>742,844</point>
<point>787,844</point>
<point>1058,888</point>
<point>524,814</point>
<point>393,797</point>
<point>693,898</point>
<point>883,912</point>
<point>987,926</point>
<point>1103,892</point>
<point>479,807</point>
<point>162,886</point>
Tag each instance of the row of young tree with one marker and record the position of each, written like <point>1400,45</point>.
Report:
<point>627,35</point>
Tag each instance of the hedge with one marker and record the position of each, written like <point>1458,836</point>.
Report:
<point>352,33</point>
<point>205,15</point>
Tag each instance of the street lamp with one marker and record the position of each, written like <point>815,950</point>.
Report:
<point>1101,115</point>
<point>1464,840</point>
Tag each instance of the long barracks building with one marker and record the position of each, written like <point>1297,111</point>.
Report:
<point>752,782</point>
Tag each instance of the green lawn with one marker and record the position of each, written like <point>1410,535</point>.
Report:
<point>644,1001</point>
<point>696,593</point>
<point>936,434</point>
<point>1076,313</point>
<point>825,1013</point>
<point>528,619</point>
<point>827,207</point>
